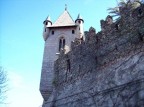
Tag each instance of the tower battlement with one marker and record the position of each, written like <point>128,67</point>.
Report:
<point>57,37</point>
<point>110,61</point>
<point>105,69</point>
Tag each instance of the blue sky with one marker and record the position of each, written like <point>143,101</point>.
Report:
<point>21,42</point>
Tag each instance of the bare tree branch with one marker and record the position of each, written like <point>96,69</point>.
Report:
<point>3,85</point>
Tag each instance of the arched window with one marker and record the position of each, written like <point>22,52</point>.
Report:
<point>61,43</point>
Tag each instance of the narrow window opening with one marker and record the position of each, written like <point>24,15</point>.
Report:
<point>73,31</point>
<point>68,65</point>
<point>117,27</point>
<point>52,32</point>
<point>96,60</point>
<point>61,43</point>
<point>82,39</point>
<point>45,29</point>
<point>79,22</point>
<point>140,11</point>
<point>79,28</point>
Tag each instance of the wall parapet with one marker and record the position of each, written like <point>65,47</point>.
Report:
<point>110,58</point>
<point>105,46</point>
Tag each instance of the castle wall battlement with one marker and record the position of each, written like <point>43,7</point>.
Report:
<point>104,47</point>
<point>104,70</point>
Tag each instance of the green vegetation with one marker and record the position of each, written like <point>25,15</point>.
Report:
<point>124,4</point>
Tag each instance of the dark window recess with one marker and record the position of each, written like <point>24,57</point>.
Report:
<point>140,11</point>
<point>116,47</point>
<point>96,60</point>
<point>45,29</point>
<point>73,31</point>
<point>68,65</point>
<point>79,28</point>
<point>61,43</point>
<point>117,26</point>
<point>46,23</point>
<point>81,39</point>
<point>79,22</point>
<point>52,32</point>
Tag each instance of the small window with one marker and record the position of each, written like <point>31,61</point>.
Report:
<point>45,29</point>
<point>140,11</point>
<point>81,39</point>
<point>79,28</point>
<point>117,26</point>
<point>73,31</point>
<point>68,65</point>
<point>52,32</point>
<point>61,43</point>
<point>79,22</point>
<point>46,23</point>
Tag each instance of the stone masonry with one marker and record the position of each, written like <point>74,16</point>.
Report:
<point>105,70</point>
<point>57,37</point>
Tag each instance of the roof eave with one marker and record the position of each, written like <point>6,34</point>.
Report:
<point>62,26</point>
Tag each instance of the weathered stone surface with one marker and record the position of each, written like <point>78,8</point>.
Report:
<point>107,70</point>
<point>57,37</point>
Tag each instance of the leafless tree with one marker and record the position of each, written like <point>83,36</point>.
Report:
<point>3,85</point>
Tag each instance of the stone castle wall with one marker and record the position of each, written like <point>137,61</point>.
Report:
<point>107,70</point>
<point>51,52</point>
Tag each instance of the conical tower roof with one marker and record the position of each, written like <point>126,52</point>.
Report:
<point>64,20</point>
<point>79,18</point>
<point>48,20</point>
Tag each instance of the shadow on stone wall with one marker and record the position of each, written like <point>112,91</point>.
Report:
<point>105,70</point>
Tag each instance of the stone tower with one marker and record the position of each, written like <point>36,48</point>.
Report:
<point>57,37</point>
<point>79,22</point>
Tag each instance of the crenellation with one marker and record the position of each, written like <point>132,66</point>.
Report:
<point>58,37</point>
<point>102,22</point>
<point>106,69</point>
<point>109,20</point>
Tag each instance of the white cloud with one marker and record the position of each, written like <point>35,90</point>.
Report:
<point>15,79</point>
<point>22,93</point>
